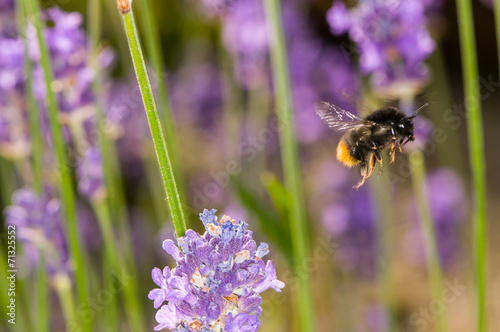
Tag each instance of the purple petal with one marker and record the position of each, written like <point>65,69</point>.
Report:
<point>170,247</point>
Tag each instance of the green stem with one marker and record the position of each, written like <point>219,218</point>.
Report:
<point>37,148</point>
<point>117,265</point>
<point>152,178</point>
<point>233,102</point>
<point>476,156</point>
<point>110,162</point>
<point>155,54</point>
<point>417,165</point>
<point>62,285</point>
<point>33,111</point>
<point>497,26</point>
<point>289,154</point>
<point>154,122</point>
<point>43,310</point>
<point>381,193</point>
<point>65,185</point>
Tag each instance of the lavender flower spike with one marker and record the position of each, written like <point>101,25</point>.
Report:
<point>217,281</point>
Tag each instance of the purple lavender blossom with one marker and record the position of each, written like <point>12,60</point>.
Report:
<point>39,227</point>
<point>392,38</point>
<point>217,280</point>
<point>447,201</point>
<point>67,44</point>
<point>90,175</point>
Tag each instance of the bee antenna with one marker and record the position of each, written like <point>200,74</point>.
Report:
<point>418,110</point>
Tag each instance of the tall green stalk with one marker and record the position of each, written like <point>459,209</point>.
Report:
<point>154,53</point>
<point>497,27</point>
<point>64,185</point>
<point>42,280</point>
<point>380,190</point>
<point>476,156</point>
<point>153,118</point>
<point>417,165</point>
<point>289,154</point>
<point>62,286</point>
<point>119,268</point>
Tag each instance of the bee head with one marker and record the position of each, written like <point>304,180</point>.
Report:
<point>406,129</point>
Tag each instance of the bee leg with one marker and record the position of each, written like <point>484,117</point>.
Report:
<point>366,170</point>
<point>378,156</point>
<point>400,144</point>
<point>371,165</point>
<point>392,152</point>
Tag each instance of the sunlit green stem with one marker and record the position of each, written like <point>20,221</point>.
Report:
<point>154,53</point>
<point>117,265</point>
<point>64,184</point>
<point>37,148</point>
<point>110,162</point>
<point>33,111</point>
<point>497,28</point>
<point>62,286</point>
<point>380,189</point>
<point>476,156</point>
<point>289,150</point>
<point>154,121</point>
<point>417,165</point>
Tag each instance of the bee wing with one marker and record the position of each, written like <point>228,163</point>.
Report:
<point>337,117</point>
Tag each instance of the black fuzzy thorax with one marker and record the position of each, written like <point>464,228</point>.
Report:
<point>386,115</point>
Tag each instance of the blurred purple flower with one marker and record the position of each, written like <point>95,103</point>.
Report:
<point>315,72</point>
<point>246,36</point>
<point>73,76</point>
<point>196,94</point>
<point>448,205</point>
<point>350,220</point>
<point>39,227</point>
<point>392,39</point>
<point>67,44</point>
<point>7,18</point>
<point>488,3</point>
<point>217,280</point>
<point>91,176</point>
<point>216,7</point>
<point>6,4</point>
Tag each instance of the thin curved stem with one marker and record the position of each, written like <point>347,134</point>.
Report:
<point>153,118</point>
<point>290,160</point>
<point>476,157</point>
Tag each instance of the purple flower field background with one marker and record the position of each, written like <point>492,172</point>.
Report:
<point>94,244</point>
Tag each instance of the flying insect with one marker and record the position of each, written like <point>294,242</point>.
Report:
<point>365,138</point>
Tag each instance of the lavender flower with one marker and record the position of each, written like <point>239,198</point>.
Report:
<point>392,38</point>
<point>217,281</point>
<point>39,227</point>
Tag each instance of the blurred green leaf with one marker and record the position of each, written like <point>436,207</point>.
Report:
<point>277,192</point>
<point>269,220</point>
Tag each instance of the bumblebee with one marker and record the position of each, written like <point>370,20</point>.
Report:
<point>365,138</point>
